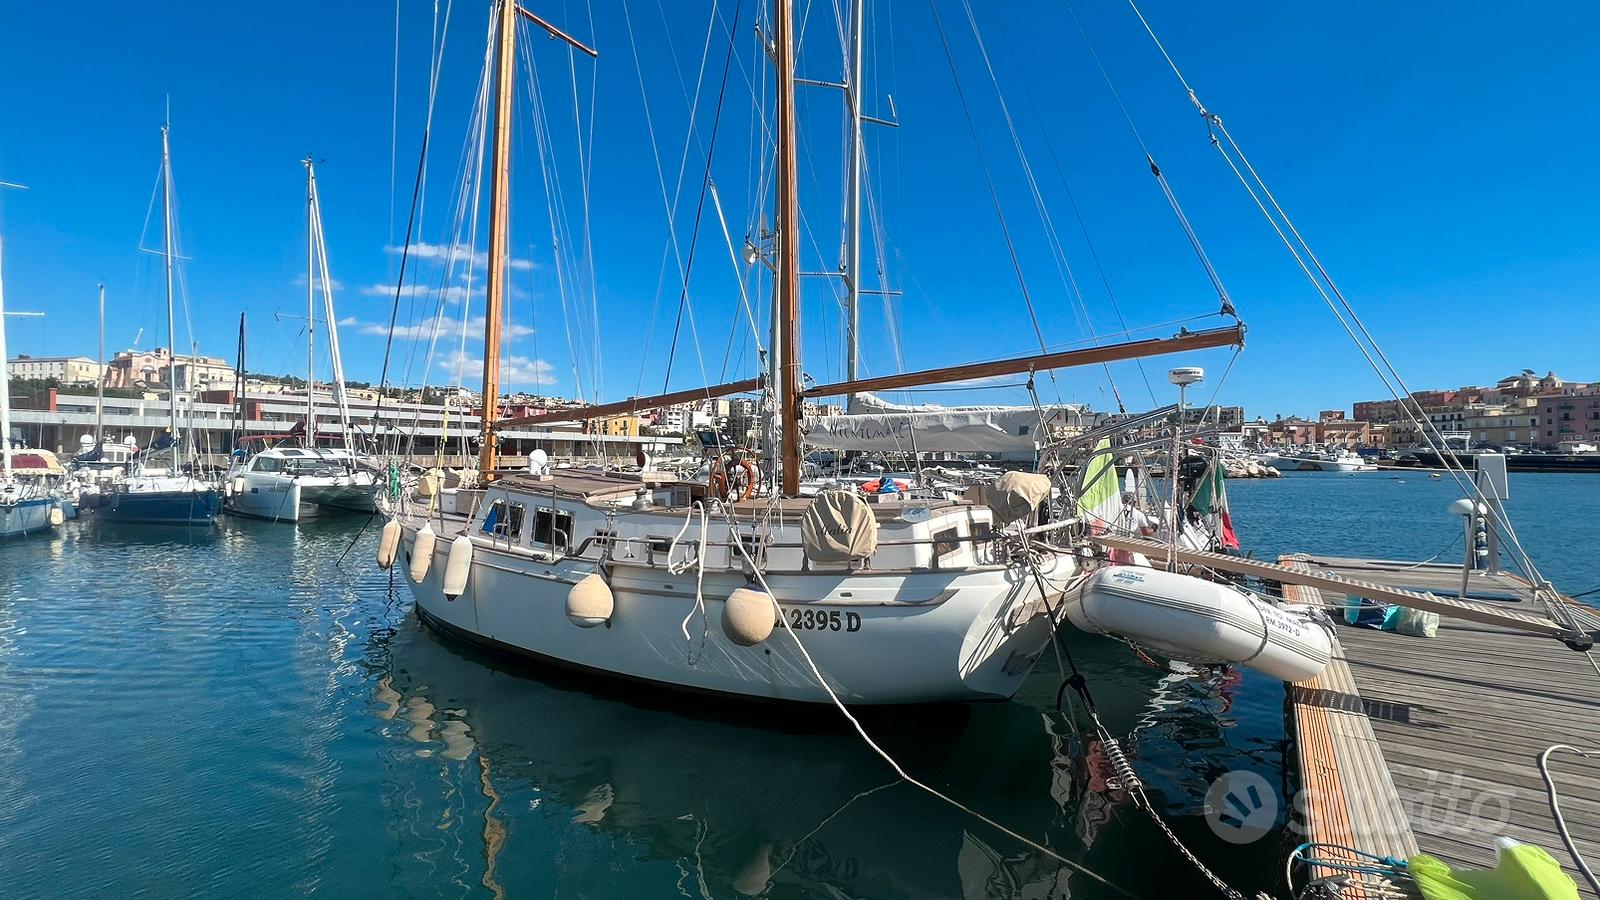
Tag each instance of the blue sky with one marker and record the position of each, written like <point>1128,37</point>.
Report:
<point>1433,153</point>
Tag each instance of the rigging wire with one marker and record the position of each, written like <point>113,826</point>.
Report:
<point>994,195</point>
<point>1083,227</point>
<point>1161,179</point>
<point>1336,301</point>
<point>671,248</point>
<point>1058,253</point>
<point>700,204</point>
<point>416,203</point>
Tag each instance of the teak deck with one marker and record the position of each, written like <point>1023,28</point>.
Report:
<point>1431,745</point>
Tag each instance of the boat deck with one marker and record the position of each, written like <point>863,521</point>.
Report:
<point>1430,745</point>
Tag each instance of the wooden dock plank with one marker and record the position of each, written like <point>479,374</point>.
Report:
<point>1455,724</point>
<point>1335,738</point>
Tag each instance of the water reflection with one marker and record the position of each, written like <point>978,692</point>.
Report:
<point>275,722</point>
<point>775,802</point>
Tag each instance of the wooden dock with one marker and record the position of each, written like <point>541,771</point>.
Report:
<point>1430,745</point>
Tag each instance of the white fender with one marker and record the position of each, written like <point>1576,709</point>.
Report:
<point>422,553</point>
<point>748,616</point>
<point>57,516</point>
<point>457,567</point>
<point>590,602</point>
<point>388,544</point>
<point>238,484</point>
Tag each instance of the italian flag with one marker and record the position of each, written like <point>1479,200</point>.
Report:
<point>1211,496</point>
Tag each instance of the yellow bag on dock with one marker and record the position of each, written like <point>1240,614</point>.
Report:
<point>1521,872</point>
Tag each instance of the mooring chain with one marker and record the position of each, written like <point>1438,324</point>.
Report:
<point>1128,780</point>
<point>1124,777</point>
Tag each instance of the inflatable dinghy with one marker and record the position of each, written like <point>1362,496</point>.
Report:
<point>1198,621</point>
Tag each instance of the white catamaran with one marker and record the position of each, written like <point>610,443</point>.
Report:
<point>287,483</point>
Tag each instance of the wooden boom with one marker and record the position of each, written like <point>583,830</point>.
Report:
<point>633,404</point>
<point>1186,340</point>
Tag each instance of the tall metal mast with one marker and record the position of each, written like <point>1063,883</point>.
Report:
<point>311,314</point>
<point>172,332</point>
<point>341,398</point>
<point>5,394</point>
<point>499,193</point>
<point>786,297</point>
<point>100,388</point>
<point>854,80</point>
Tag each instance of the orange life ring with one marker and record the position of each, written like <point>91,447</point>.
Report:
<point>721,484</point>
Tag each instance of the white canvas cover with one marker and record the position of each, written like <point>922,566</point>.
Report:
<point>875,424</point>
<point>1015,494</point>
<point>838,527</point>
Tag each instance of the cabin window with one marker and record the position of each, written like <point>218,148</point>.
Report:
<point>265,464</point>
<point>552,527</point>
<point>504,523</point>
<point>945,544</point>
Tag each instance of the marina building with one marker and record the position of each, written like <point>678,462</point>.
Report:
<point>64,369</point>
<point>58,421</point>
<point>1569,418</point>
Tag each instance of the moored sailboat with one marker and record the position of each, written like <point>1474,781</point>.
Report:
<point>25,506</point>
<point>165,496</point>
<point>690,585</point>
<point>287,483</point>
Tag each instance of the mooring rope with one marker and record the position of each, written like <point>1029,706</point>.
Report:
<point>890,760</point>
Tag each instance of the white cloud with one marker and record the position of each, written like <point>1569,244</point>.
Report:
<point>514,370</point>
<point>454,293</point>
<point>349,322</point>
<point>456,255</point>
<point>300,281</point>
<point>449,328</point>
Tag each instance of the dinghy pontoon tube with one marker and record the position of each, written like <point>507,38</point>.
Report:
<point>1194,620</point>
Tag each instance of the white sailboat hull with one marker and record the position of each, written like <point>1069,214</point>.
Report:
<point>879,639</point>
<point>25,516</point>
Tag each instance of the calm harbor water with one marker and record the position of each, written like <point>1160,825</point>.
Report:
<point>236,712</point>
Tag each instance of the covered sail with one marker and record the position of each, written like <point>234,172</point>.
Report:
<point>875,424</point>
<point>1100,497</point>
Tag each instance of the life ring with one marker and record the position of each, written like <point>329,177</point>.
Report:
<point>729,485</point>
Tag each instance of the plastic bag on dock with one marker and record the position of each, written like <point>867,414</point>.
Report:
<point>1416,622</point>
<point>1521,872</point>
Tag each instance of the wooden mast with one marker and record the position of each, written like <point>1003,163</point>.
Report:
<point>499,193</point>
<point>499,214</point>
<point>787,293</point>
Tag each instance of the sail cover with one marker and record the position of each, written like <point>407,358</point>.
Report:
<point>1099,497</point>
<point>875,424</point>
